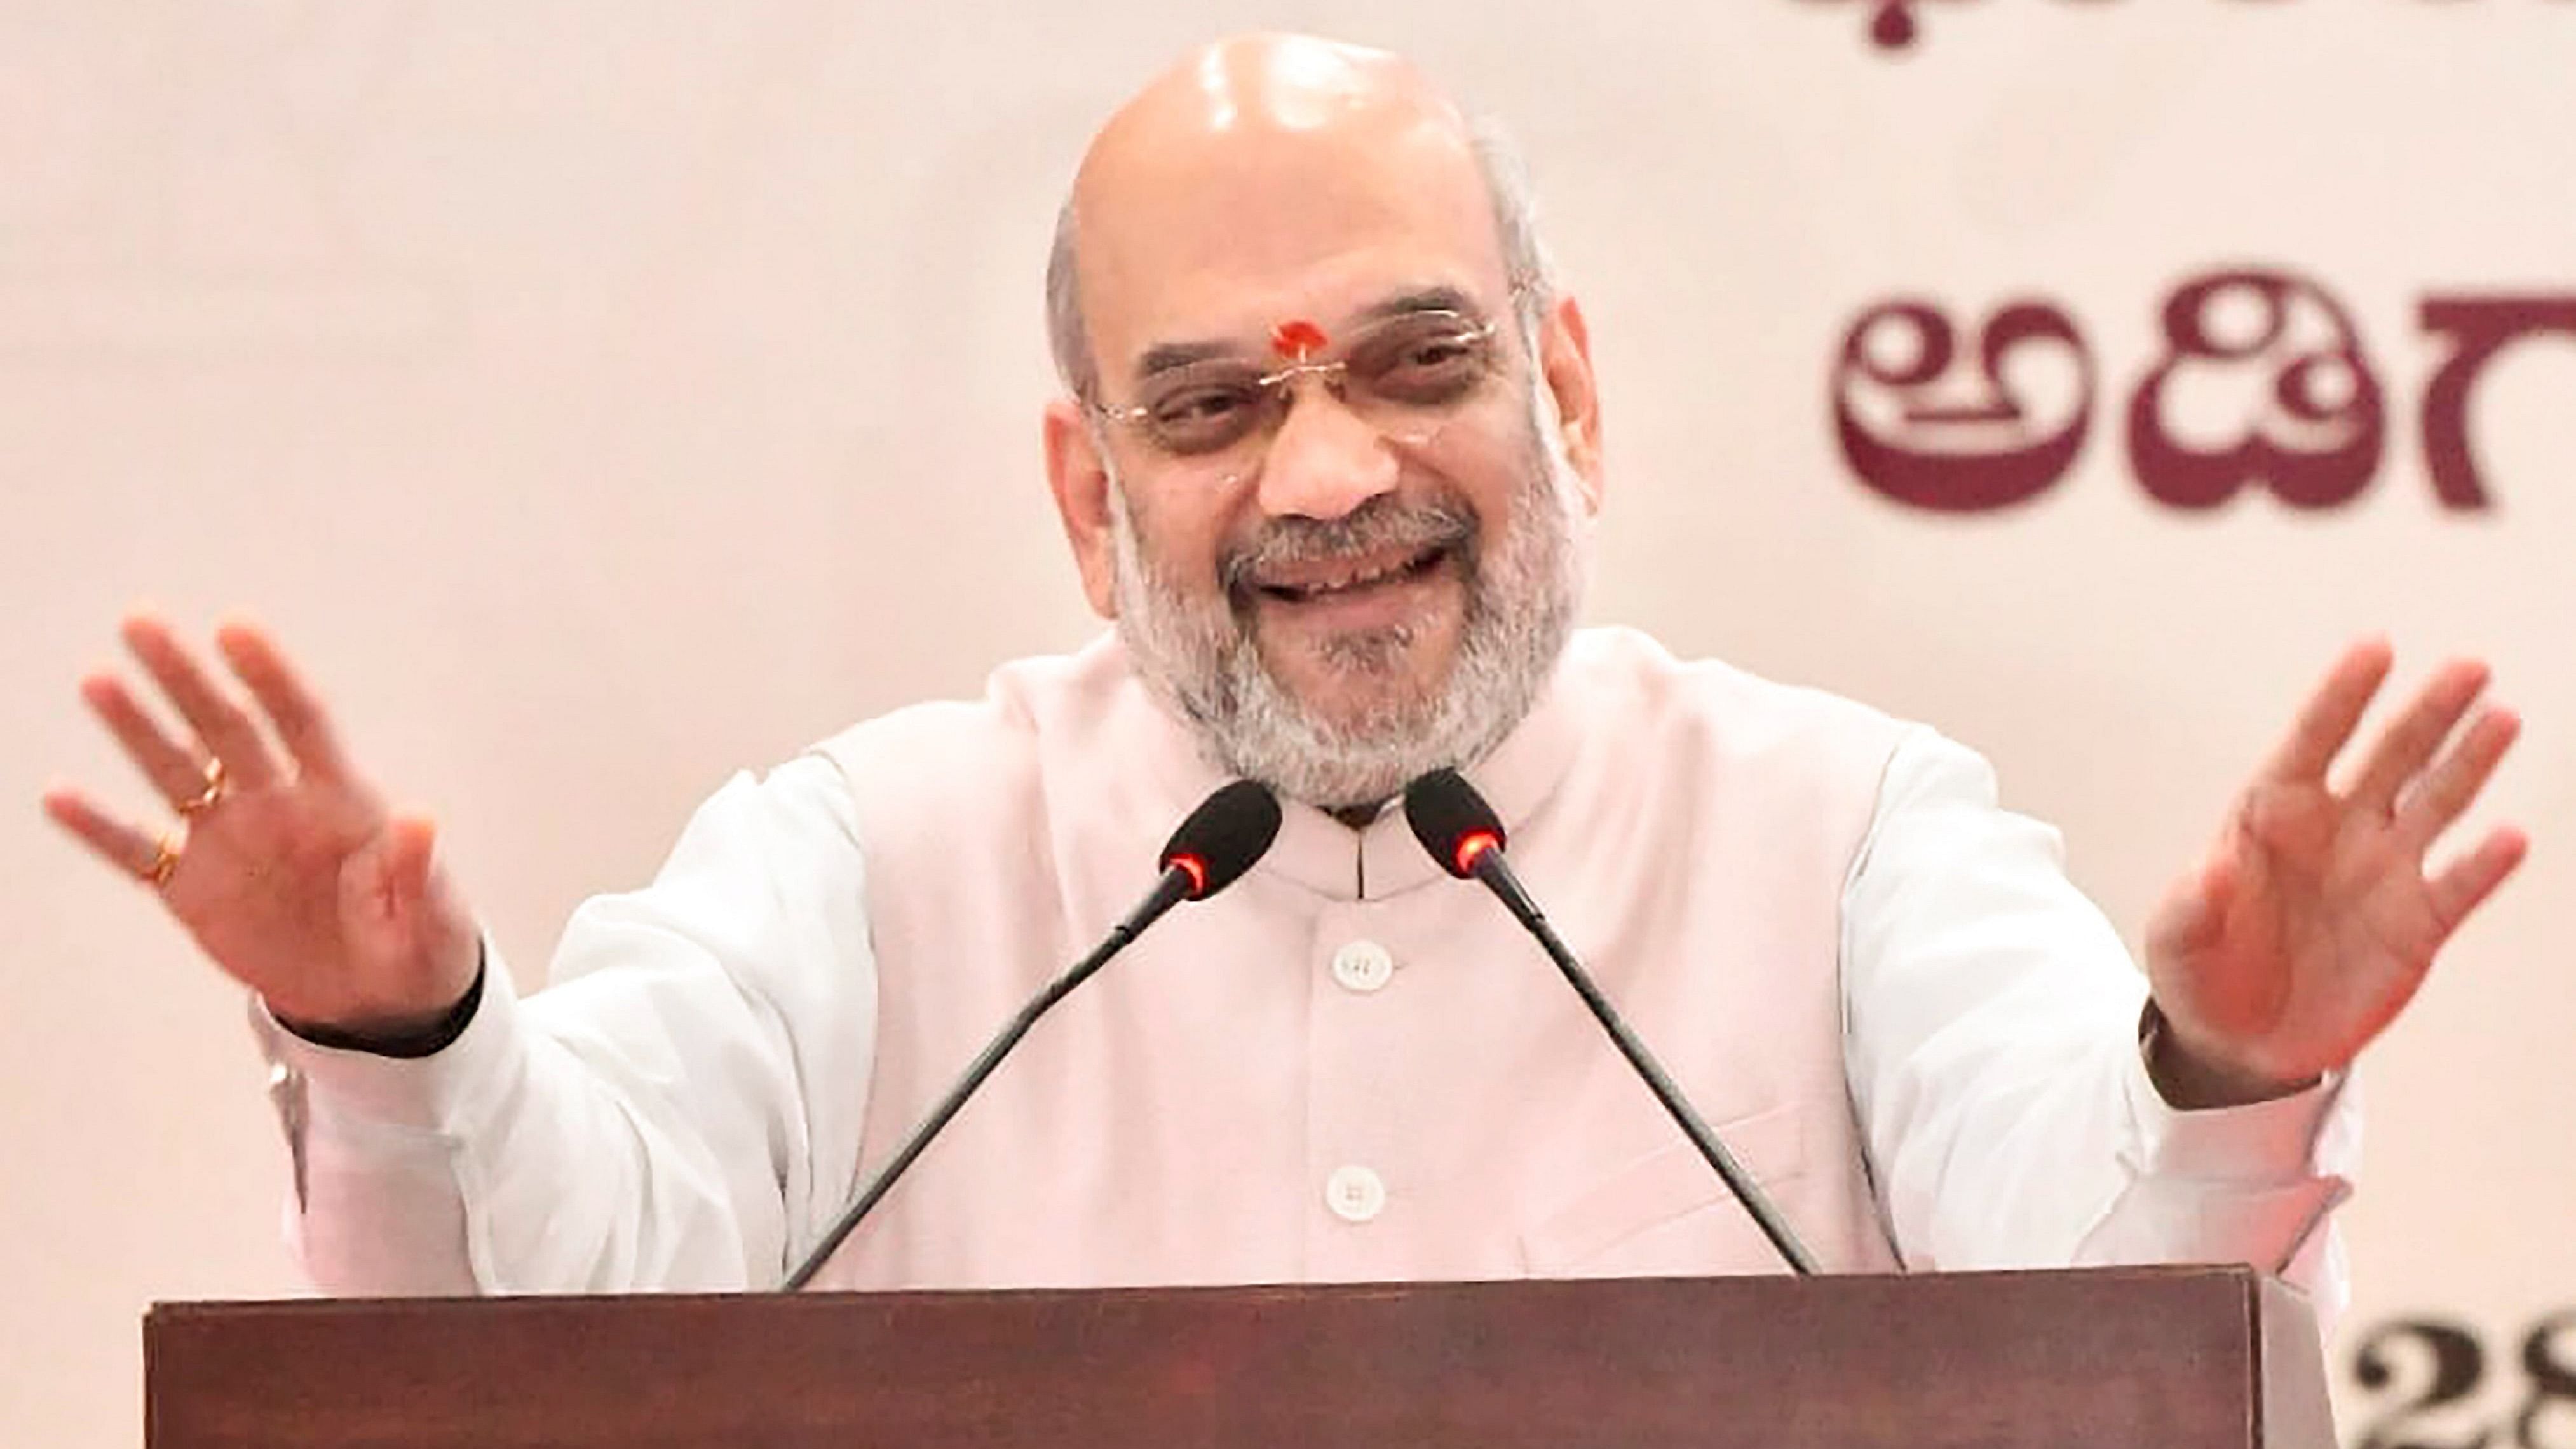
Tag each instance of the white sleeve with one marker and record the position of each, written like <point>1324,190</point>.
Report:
<point>1992,1048</point>
<point>680,1109</point>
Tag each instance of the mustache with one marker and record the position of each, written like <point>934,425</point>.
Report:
<point>1384,522</point>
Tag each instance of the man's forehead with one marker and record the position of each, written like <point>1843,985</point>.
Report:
<point>1277,177</point>
<point>1297,336</point>
<point>1243,311</point>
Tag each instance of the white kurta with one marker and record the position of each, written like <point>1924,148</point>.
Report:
<point>1877,984</point>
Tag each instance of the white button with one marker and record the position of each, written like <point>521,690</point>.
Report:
<point>1363,966</point>
<point>1355,1194</point>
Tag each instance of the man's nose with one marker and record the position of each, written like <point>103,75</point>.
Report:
<point>1325,460</point>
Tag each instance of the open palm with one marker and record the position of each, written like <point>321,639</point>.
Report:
<point>293,876</point>
<point>2314,919</point>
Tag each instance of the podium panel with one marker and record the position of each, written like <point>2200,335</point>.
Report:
<point>2160,1358</point>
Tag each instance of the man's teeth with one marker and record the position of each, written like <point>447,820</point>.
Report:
<point>1353,579</point>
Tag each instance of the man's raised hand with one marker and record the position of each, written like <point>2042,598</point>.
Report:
<point>283,861</point>
<point>2315,917</point>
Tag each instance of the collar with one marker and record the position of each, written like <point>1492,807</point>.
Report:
<point>1329,858</point>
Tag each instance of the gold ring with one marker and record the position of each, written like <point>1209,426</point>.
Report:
<point>205,798</point>
<point>164,863</point>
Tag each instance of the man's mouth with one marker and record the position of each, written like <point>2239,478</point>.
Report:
<point>1332,578</point>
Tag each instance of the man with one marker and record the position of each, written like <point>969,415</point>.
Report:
<point>1330,437</point>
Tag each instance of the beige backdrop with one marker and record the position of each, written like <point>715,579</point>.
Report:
<point>602,397</point>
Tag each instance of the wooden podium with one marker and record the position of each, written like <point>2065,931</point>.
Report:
<point>2161,1358</point>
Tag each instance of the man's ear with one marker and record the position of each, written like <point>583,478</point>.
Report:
<point>1079,478</point>
<point>1565,361</point>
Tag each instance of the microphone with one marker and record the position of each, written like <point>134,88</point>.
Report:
<point>1462,832</point>
<point>1219,841</point>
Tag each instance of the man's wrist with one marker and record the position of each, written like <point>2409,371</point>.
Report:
<point>423,1041</point>
<point>2191,1081</point>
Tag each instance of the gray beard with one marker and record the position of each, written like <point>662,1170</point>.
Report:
<point>1522,592</point>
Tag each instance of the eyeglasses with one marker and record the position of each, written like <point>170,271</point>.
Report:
<point>1405,376</point>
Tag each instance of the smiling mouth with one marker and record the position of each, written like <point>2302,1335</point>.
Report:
<point>1354,576</point>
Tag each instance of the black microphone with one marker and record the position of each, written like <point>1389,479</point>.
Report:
<point>1464,834</point>
<point>1213,848</point>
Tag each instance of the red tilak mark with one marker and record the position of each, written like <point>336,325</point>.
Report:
<point>1297,340</point>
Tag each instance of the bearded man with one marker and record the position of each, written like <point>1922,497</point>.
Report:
<point>1329,443</point>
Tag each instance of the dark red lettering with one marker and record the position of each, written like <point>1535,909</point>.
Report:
<point>2316,440</point>
<point>1916,430</point>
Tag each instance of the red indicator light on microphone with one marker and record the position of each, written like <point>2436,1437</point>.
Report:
<point>1472,847</point>
<point>1194,868</point>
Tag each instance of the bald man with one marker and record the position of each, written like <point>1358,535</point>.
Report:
<point>1327,450</point>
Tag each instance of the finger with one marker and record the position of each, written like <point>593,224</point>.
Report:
<point>422,950</point>
<point>227,731</point>
<point>2411,740</point>
<point>2331,714</point>
<point>296,713</point>
<point>438,923</point>
<point>2448,789</point>
<point>411,841</point>
<point>174,770</point>
<point>383,884</point>
<point>2193,915</point>
<point>2468,881</point>
<point>393,898</point>
<point>130,851</point>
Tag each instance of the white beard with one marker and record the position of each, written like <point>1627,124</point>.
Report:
<point>1522,593</point>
